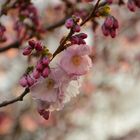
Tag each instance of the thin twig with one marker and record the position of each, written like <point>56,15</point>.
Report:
<point>57,24</point>
<point>16,44</point>
<point>91,15</point>
<point>61,48</point>
<point>19,98</point>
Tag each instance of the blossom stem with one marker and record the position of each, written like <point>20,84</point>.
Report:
<point>92,14</point>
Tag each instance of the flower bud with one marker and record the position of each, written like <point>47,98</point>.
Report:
<point>76,28</point>
<point>115,24</point>
<point>74,39</point>
<point>30,80</point>
<point>110,25</point>
<point>82,35</point>
<point>32,43</point>
<point>38,46</point>
<point>27,50</point>
<point>69,23</point>
<point>45,61</point>
<point>36,74</point>
<point>41,111</point>
<point>113,33</point>
<point>23,81</point>
<point>46,115</point>
<point>81,41</point>
<point>45,72</point>
<point>109,22</point>
<point>105,30</point>
<point>131,5</point>
<point>39,65</point>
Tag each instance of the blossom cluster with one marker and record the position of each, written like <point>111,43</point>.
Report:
<point>110,25</point>
<point>72,23</point>
<point>52,84</point>
<point>28,10</point>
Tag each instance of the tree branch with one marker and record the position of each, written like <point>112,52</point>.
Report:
<point>57,24</point>
<point>91,15</point>
<point>16,44</point>
<point>19,98</point>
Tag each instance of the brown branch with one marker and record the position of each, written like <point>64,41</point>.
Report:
<point>57,24</point>
<point>19,98</point>
<point>61,46</point>
<point>16,44</point>
<point>91,15</point>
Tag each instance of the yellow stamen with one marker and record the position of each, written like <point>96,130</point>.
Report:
<point>50,83</point>
<point>76,60</point>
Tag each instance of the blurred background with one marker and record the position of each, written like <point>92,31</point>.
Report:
<point>107,107</point>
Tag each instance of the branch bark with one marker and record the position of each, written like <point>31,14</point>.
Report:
<point>19,98</point>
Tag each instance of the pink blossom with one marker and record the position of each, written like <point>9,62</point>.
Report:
<point>49,89</point>
<point>23,81</point>
<point>54,91</point>
<point>75,60</point>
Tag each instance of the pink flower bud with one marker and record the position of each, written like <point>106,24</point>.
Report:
<point>74,39</point>
<point>69,23</point>
<point>45,72</point>
<point>38,46</point>
<point>109,22</point>
<point>81,41</point>
<point>30,80</point>
<point>113,33</point>
<point>23,81</point>
<point>115,24</point>
<point>41,111</point>
<point>131,5</point>
<point>32,43</point>
<point>82,35</point>
<point>45,61</point>
<point>109,1</point>
<point>36,74</point>
<point>105,30</point>
<point>27,50</point>
<point>46,115</point>
<point>76,28</point>
<point>39,66</point>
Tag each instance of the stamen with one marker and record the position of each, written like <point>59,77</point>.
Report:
<point>76,60</point>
